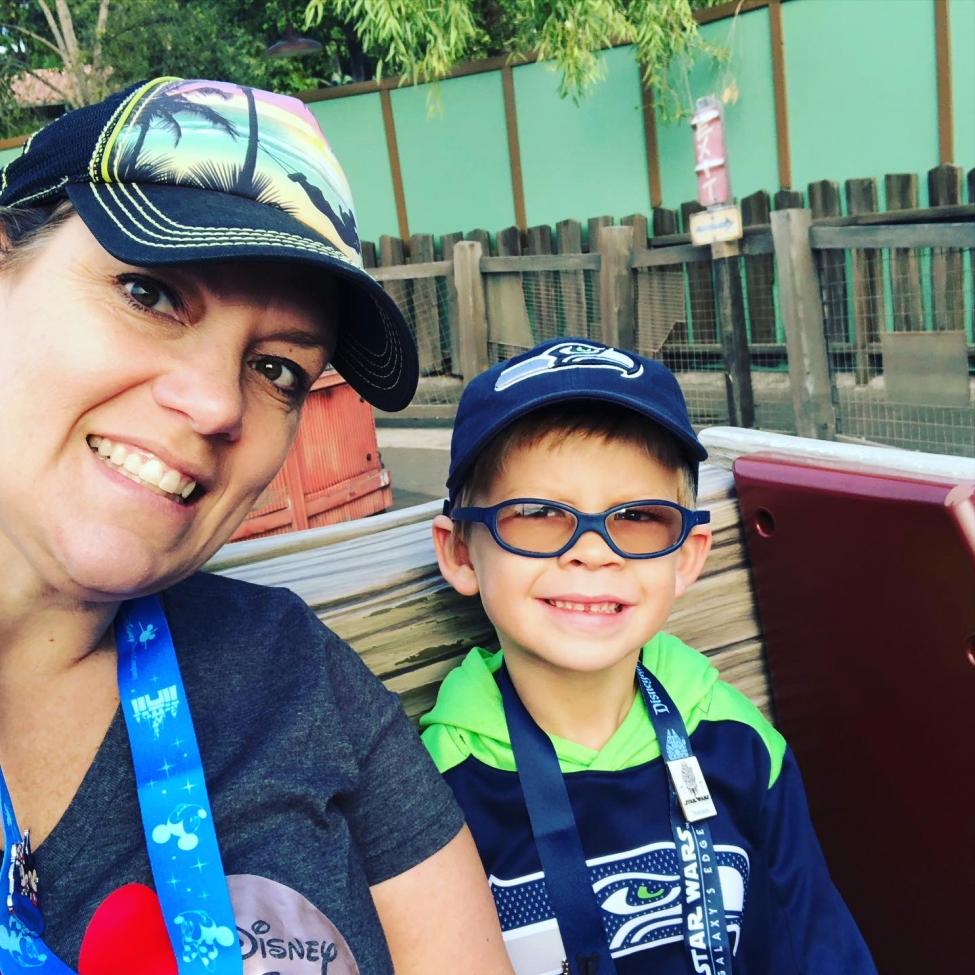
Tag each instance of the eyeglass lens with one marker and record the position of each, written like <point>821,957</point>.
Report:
<point>637,530</point>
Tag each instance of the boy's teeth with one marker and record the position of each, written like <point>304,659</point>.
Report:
<point>586,607</point>
<point>143,467</point>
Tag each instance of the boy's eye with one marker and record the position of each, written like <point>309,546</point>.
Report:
<point>149,294</point>
<point>642,515</point>
<point>538,511</point>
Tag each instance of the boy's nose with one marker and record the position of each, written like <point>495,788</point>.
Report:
<point>590,550</point>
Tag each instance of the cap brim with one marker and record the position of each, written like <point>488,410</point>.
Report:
<point>150,225</point>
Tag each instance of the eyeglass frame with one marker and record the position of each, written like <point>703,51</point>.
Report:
<point>585,522</point>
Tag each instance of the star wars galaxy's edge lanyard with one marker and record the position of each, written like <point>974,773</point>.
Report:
<point>176,816</point>
<point>567,880</point>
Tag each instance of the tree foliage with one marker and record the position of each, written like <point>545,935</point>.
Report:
<point>103,45</point>
<point>424,39</point>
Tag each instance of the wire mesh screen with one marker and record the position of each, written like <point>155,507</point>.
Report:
<point>426,304</point>
<point>898,325</point>
<point>530,307</point>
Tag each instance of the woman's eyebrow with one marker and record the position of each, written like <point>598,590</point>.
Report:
<point>299,336</point>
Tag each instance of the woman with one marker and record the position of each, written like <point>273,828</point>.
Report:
<point>177,265</point>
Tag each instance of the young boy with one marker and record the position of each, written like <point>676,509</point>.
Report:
<point>571,493</point>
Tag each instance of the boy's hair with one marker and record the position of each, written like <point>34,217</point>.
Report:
<point>577,418</point>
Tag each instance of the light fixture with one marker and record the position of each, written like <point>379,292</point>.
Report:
<point>292,46</point>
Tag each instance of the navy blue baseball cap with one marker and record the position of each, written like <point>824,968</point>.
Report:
<point>557,371</point>
<point>175,171</point>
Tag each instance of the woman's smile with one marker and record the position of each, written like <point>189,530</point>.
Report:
<point>144,468</point>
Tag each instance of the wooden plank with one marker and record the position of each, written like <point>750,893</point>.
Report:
<point>905,264</point>
<point>759,272</point>
<point>368,253</point>
<point>700,285</point>
<point>643,317</point>
<point>426,311</point>
<point>868,282</point>
<point>734,338</point>
<point>392,149</point>
<point>540,262</point>
<point>802,315</point>
<point>919,235</point>
<point>616,287</point>
<point>508,323</point>
<point>668,300</point>
<point>788,200</point>
<point>652,146</point>
<point>540,290</point>
<point>824,201</point>
<point>947,270</point>
<point>946,116</point>
<point>391,254</point>
<point>782,146</point>
<point>410,272</point>
<point>471,311</point>
<point>514,146</point>
<point>668,256</point>
<point>447,242</point>
<point>593,226</point>
<point>572,284</point>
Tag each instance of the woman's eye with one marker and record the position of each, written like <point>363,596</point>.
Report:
<point>149,294</point>
<point>287,376</point>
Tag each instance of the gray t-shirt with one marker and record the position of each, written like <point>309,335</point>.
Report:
<point>318,784</point>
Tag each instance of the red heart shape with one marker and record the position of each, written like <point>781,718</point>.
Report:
<point>127,936</point>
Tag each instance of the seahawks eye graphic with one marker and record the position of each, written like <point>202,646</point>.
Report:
<point>569,355</point>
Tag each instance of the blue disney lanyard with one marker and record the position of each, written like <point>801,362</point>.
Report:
<point>581,921</point>
<point>176,817</point>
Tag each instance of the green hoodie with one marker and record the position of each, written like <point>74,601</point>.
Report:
<point>468,718</point>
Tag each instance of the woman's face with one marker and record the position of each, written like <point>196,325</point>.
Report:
<point>124,387</point>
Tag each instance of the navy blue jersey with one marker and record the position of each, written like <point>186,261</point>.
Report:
<point>784,915</point>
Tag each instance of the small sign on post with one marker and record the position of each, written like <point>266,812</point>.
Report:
<point>721,219</point>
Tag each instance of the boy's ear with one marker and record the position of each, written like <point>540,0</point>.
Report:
<point>453,557</point>
<point>691,558</point>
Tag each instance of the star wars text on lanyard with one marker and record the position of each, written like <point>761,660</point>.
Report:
<point>567,881</point>
<point>176,817</point>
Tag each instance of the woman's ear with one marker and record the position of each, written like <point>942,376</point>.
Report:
<point>453,557</point>
<point>691,558</point>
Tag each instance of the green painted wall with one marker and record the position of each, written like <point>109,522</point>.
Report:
<point>8,155</point>
<point>749,121</point>
<point>455,164</point>
<point>861,86</point>
<point>961,15</point>
<point>354,128</point>
<point>586,160</point>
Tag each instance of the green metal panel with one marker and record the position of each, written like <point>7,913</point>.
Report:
<point>455,163</point>
<point>354,128</point>
<point>582,160</point>
<point>862,89</point>
<point>749,122</point>
<point>9,155</point>
<point>962,20</point>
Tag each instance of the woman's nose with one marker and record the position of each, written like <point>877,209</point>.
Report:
<point>207,388</point>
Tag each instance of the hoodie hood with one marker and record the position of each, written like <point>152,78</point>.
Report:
<point>468,718</point>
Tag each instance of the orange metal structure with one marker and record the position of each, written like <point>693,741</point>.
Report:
<point>333,472</point>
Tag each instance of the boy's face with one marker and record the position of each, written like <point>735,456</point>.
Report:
<point>588,609</point>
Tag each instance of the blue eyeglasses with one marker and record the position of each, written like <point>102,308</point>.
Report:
<point>545,529</point>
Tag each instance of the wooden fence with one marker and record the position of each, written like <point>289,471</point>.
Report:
<point>816,295</point>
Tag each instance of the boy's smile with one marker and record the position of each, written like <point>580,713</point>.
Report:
<point>588,610</point>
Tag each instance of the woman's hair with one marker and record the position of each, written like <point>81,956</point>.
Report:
<point>24,230</point>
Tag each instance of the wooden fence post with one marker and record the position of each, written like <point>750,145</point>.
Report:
<point>868,282</point>
<point>947,277</point>
<point>642,313</point>
<point>572,284</point>
<point>508,322</point>
<point>390,255</point>
<point>802,315</point>
<point>905,265</point>
<point>447,242</point>
<point>759,272</point>
<point>616,286</point>
<point>734,337</point>
<point>543,284</point>
<point>471,313</point>
<point>426,313</point>
<point>668,301</point>
<point>824,201</point>
<point>700,287</point>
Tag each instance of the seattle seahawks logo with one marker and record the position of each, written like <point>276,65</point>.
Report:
<point>570,355</point>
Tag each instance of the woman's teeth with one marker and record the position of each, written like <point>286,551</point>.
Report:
<point>143,468</point>
<point>586,607</point>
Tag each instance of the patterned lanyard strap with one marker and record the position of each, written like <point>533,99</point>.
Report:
<point>583,925</point>
<point>176,817</point>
